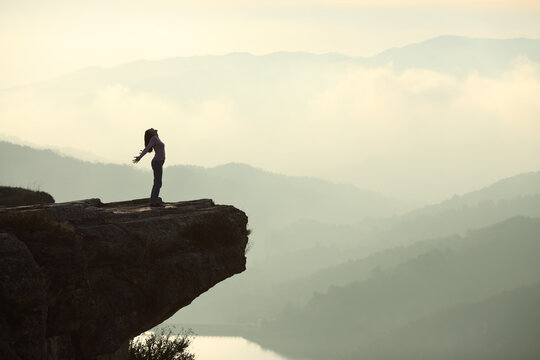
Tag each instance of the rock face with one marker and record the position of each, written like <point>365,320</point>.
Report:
<point>79,279</point>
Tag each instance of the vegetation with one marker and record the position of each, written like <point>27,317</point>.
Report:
<point>163,345</point>
<point>16,196</point>
<point>486,262</point>
<point>502,327</point>
<point>249,244</point>
<point>427,283</point>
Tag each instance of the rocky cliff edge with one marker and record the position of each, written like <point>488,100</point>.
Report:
<point>79,279</point>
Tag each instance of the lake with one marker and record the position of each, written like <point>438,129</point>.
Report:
<point>231,348</point>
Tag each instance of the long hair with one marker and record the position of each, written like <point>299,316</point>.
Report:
<point>147,136</point>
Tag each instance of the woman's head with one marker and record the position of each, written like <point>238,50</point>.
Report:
<point>148,135</point>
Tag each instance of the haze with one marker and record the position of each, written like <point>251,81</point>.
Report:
<point>40,40</point>
<point>386,154</point>
<point>419,133</point>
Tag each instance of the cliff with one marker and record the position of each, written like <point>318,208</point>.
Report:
<point>79,279</point>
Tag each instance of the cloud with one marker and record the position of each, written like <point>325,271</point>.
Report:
<point>418,133</point>
<point>425,127</point>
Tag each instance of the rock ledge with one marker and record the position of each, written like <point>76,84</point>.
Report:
<point>79,279</point>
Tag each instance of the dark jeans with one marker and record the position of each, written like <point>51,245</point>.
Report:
<point>157,167</point>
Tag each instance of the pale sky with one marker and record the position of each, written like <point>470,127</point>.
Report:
<point>40,40</point>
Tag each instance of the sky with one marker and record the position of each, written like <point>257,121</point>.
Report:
<point>375,128</point>
<point>40,40</point>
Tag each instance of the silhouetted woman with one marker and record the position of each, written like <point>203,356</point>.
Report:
<point>152,141</point>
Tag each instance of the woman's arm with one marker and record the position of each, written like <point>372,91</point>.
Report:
<point>151,143</point>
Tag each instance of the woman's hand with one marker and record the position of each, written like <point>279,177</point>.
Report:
<point>137,158</point>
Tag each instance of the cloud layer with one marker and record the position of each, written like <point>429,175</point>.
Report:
<point>416,134</point>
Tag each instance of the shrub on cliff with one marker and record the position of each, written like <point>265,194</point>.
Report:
<point>15,196</point>
<point>163,345</point>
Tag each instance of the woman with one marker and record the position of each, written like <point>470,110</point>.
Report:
<point>152,142</point>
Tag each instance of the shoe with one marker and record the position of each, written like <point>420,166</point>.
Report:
<point>157,204</point>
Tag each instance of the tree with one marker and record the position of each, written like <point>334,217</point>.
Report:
<point>162,345</point>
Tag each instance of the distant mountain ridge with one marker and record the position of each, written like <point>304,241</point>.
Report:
<point>456,55</point>
<point>272,201</point>
<point>336,254</point>
<point>516,195</point>
<point>277,111</point>
<point>505,189</point>
<point>459,55</point>
<point>454,225</point>
<point>287,198</point>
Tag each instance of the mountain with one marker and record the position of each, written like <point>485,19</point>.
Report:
<point>348,119</point>
<point>489,261</point>
<point>460,55</point>
<point>520,185</point>
<point>504,326</point>
<point>400,238</point>
<point>339,254</point>
<point>285,199</point>
<point>187,80</point>
<point>180,77</point>
<point>282,200</point>
<point>270,200</point>
<point>298,223</point>
<point>517,195</point>
<point>67,178</point>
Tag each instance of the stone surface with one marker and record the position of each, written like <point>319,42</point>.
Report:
<point>79,279</point>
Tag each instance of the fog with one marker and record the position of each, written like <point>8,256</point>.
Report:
<point>43,40</point>
<point>337,266</point>
<point>416,134</point>
<point>390,172</point>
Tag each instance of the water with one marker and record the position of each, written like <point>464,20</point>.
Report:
<point>230,348</point>
<point>227,348</point>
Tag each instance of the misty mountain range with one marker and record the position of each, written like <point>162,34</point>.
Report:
<point>330,263</point>
<point>273,200</point>
<point>335,269</point>
<point>362,121</point>
<point>459,55</point>
<point>447,54</point>
<point>315,256</point>
<point>248,77</point>
<point>502,326</point>
<point>474,268</point>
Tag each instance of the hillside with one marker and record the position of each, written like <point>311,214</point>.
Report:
<point>372,235</point>
<point>505,326</point>
<point>504,189</point>
<point>286,199</point>
<point>360,312</point>
<point>292,218</point>
<point>272,201</point>
<point>339,254</point>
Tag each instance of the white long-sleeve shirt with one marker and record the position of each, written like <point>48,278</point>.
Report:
<point>159,148</point>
